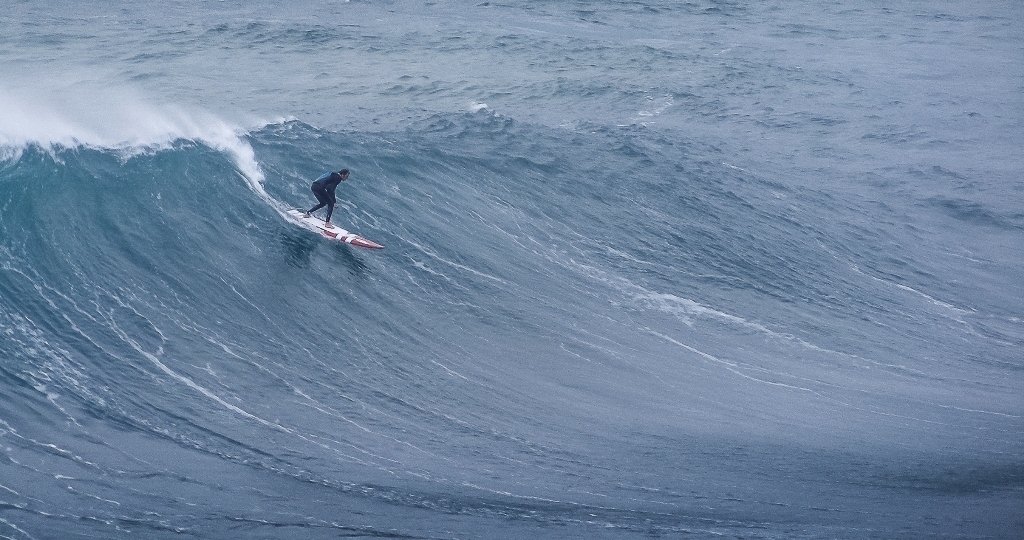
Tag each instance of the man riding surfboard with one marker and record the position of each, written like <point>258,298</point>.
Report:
<point>323,189</point>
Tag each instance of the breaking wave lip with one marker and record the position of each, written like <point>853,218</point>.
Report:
<point>123,121</point>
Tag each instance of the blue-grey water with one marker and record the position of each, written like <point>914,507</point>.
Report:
<point>653,270</point>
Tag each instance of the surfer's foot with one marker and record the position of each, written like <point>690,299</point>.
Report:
<point>305,214</point>
<point>328,225</point>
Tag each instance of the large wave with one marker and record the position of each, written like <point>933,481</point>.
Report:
<point>604,329</point>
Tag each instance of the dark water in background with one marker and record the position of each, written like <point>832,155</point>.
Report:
<point>670,270</point>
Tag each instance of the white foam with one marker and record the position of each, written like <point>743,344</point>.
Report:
<point>117,118</point>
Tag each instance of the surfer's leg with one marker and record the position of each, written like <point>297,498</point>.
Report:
<point>321,197</point>
<point>330,210</point>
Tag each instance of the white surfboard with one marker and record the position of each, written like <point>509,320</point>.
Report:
<point>336,233</point>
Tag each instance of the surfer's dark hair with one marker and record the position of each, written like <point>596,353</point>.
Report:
<point>343,172</point>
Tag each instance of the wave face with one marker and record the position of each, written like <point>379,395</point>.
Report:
<point>627,318</point>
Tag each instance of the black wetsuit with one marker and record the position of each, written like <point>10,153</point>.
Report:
<point>323,189</point>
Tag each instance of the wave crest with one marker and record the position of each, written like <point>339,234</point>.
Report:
<point>114,119</point>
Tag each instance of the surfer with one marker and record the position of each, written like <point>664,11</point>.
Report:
<point>323,189</point>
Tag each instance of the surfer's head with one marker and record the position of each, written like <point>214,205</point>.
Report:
<point>344,174</point>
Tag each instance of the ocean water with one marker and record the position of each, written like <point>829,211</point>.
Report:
<point>699,269</point>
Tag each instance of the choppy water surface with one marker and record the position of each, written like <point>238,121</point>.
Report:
<point>652,270</point>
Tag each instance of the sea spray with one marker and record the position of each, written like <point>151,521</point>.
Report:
<point>121,120</point>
